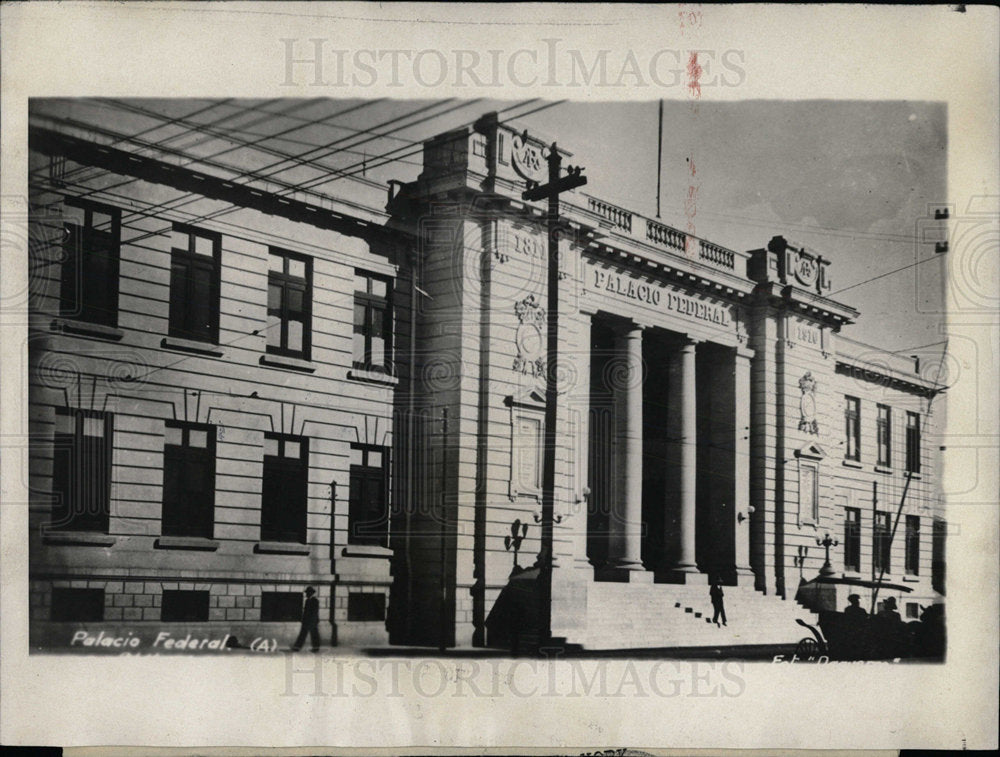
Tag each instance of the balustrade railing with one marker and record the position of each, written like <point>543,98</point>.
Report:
<point>717,255</point>
<point>664,235</point>
<point>618,217</point>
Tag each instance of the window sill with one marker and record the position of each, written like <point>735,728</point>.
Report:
<point>883,469</point>
<point>850,574</point>
<point>911,579</point>
<point>83,328</point>
<point>79,538</point>
<point>364,550</point>
<point>186,542</point>
<point>372,377</point>
<point>280,548</point>
<point>288,363</point>
<point>190,345</point>
<point>911,474</point>
<point>852,464</point>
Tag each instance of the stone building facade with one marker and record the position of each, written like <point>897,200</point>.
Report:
<point>239,390</point>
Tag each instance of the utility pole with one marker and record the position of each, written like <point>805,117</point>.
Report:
<point>892,536</point>
<point>551,191</point>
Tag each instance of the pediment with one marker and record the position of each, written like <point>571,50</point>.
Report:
<point>526,398</point>
<point>811,451</point>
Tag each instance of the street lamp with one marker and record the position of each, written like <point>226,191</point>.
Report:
<point>826,542</point>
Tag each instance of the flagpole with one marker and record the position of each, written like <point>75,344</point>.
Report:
<point>659,158</point>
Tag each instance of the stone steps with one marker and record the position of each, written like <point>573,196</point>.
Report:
<point>635,616</point>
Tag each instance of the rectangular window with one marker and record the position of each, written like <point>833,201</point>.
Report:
<point>852,432</point>
<point>808,493</point>
<point>285,488</point>
<point>77,605</point>
<point>913,545</point>
<point>372,346</point>
<point>913,442</point>
<point>912,610</point>
<point>852,539</point>
<point>184,606</point>
<point>195,260</point>
<point>89,286</point>
<point>937,555</point>
<point>189,480</point>
<point>368,508</point>
<point>363,606</point>
<point>884,435</point>
<point>289,303</point>
<point>81,470</point>
<point>881,542</point>
<point>280,606</point>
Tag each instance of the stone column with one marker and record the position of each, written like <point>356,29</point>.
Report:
<point>683,395</point>
<point>631,512</point>
<point>741,385</point>
<point>580,404</point>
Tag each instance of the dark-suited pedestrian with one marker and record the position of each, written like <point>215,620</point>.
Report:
<point>718,603</point>
<point>854,610</point>
<point>310,622</point>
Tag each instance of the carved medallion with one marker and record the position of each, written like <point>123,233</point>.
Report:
<point>530,337</point>
<point>527,158</point>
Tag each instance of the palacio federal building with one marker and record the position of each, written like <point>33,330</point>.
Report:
<point>241,387</point>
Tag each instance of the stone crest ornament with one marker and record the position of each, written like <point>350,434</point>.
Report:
<point>528,158</point>
<point>807,404</point>
<point>529,338</point>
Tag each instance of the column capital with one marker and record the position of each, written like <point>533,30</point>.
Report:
<point>745,352</point>
<point>589,309</point>
<point>690,342</point>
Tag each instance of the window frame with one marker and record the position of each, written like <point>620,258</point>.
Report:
<point>167,597</point>
<point>179,308</point>
<point>356,508</point>
<point>852,428</point>
<point>883,435</point>
<point>939,537</point>
<point>75,449</point>
<point>911,560</point>
<point>271,605</point>
<point>913,441</point>
<point>881,542</point>
<point>72,284</point>
<point>372,302</point>
<point>60,605</point>
<point>287,280</point>
<point>185,453</point>
<point>280,463</point>
<point>852,539</point>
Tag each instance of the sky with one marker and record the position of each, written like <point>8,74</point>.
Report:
<point>852,180</point>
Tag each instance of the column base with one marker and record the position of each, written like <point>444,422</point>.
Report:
<point>629,573</point>
<point>682,576</point>
<point>745,577</point>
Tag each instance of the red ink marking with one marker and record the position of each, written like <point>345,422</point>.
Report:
<point>694,71</point>
<point>687,18</point>
<point>691,209</point>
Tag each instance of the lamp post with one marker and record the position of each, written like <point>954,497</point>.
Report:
<point>551,191</point>
<point>826,542</point>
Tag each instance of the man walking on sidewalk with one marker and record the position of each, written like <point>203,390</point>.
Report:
<point>717,594</point>
<point>310,622</point>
